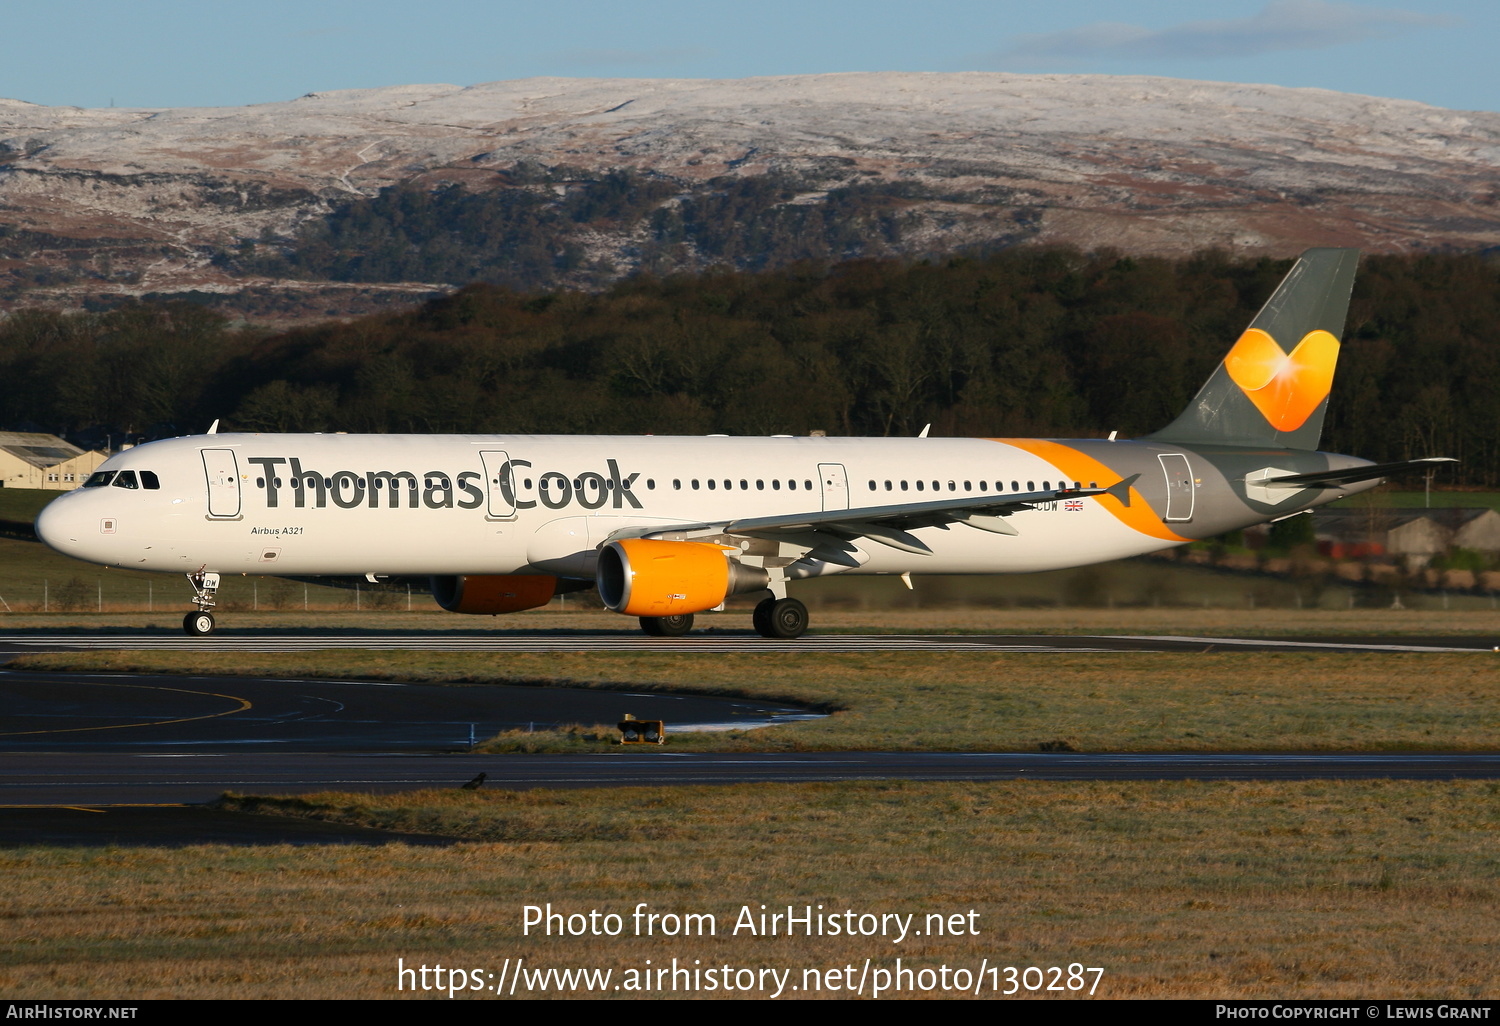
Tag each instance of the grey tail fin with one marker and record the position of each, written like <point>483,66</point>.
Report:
<point>1272,388</point>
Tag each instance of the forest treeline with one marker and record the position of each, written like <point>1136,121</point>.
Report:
<point>536,227</point>
<point>1032,341</point>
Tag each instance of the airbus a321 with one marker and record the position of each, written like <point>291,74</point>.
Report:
<point>667,527</point>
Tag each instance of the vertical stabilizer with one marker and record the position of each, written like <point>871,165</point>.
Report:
<point>1272,388</point>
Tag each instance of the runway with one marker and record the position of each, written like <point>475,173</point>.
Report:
<point>715,642</point>
<point>101,740</point>
<point>111,779</point>
<point>73,744</point>
<point>81,713</point>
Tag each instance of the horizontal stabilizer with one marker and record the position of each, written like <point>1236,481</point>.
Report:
<point>1351,475</point>
<point>1121,490</point>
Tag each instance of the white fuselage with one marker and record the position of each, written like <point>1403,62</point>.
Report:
<point>468,504</point>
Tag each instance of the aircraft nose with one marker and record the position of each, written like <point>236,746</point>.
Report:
<point>59,525</point>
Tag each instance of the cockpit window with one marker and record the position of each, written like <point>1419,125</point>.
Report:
<point>149,480</point>
<point>99,479</point>
<point>125,479</point>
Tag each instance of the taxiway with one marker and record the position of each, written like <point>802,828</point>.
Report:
<point>714,642</point>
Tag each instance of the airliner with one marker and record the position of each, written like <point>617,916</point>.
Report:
<point>668,527</point>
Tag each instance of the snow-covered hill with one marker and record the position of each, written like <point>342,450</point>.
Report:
<point>137,200</point>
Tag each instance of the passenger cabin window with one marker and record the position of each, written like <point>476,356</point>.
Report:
<point>99,479</point>
<point>125,479</point>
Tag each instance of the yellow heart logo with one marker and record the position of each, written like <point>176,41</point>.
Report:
<point>1285,388</point>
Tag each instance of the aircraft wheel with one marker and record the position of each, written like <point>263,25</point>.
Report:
<point>667,626</point>
<point>785,618</point>
<point>198,624</point>
<point>761,618</point>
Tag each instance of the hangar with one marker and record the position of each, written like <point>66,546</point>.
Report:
<point>31,459</point>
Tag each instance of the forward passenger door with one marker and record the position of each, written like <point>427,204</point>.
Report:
<point>223,473</point>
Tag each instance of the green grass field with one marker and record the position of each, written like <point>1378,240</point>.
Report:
<point>24,503</point>
<point>1381,499</point>
<point>1357,890</point>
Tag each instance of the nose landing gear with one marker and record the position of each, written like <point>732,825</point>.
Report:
<point>201,622</point>
<point>198,624</point>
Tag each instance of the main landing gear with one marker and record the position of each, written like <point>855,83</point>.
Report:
<point>200,623</point>
<point>773,618</point>
<point>780,618</point>
<point>667,626</point>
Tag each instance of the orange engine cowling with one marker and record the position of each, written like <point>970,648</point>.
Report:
<point>493,593</point>
<point>642,577</point>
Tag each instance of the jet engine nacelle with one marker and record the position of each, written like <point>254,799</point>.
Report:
<point>642,577</point>
<point>493,593</point>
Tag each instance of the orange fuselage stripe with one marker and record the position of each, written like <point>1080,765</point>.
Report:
<point>1076,466</point>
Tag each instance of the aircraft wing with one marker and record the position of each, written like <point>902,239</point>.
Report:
<point>888,524</point>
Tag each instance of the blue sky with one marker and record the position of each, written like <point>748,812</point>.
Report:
<point>163,53</point>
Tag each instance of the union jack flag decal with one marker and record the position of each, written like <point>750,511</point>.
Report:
<point>1073,505</point>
